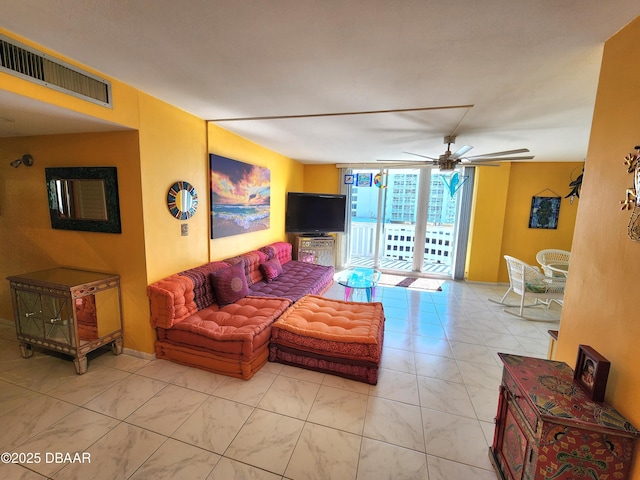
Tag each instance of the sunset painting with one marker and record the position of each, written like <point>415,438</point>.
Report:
<point>240,197</point>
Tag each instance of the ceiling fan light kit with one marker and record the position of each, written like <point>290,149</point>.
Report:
<point>449,161</point>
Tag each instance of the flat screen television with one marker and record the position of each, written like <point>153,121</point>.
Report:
<point>315,213</point>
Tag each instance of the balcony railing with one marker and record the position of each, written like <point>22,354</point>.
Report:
<point>362,246</point>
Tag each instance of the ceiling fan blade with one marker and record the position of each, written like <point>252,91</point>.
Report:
<point>408,162</point>
<point>423,156</point>
<point>499,159</point>
<point>397,160</point>
<point>404,163</point>
<point>499,154</point>
<point>461,151</point>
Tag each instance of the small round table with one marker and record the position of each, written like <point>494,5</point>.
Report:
<point>359,277</point>
<point>558,269</point>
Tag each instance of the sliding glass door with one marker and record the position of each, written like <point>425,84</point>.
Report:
<point>406,221</point>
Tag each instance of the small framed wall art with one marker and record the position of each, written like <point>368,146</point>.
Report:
<point>591,372</point>
<point>364,179</point>
<point>544,212</point>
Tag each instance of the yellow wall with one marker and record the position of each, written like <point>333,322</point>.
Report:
<point>172,148</point>
<point>286,175</point>
<point>170,145</point>
<point>487,223</point>
<point>124,111</point>
<point>601,301</point>
<point>321,179</point>
<point>502,205</point>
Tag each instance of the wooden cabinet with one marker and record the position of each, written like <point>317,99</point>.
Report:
<point>68,310</point>
<point>318,250</point>
<point>546,427</point>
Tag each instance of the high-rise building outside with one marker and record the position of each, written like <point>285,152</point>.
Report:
<point>399,213</point>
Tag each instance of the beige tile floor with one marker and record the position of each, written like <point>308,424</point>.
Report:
<point>430,416</point>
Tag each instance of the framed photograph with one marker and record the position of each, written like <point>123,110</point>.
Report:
<point>544,212</point>
<point>591,372</point>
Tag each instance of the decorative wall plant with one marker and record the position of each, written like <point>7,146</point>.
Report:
<point>575,186</point>
<point>632,195</point>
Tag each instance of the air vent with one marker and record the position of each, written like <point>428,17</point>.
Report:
<point>38,67</point>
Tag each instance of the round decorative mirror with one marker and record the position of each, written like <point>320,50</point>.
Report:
<point>182,200</point>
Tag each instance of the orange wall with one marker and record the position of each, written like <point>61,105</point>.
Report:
<point>526,181</point>
<point>28,241</point>
<point>601,304</point>
<point>502,205</point>
<point>286,175</point>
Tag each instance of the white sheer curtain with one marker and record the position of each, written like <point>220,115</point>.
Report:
<point>342,239</point>
<point>463,223</point>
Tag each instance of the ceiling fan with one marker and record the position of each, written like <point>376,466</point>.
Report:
<point>448,161</point>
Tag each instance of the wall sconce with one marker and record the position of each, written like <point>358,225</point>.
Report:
<point>26,160</point>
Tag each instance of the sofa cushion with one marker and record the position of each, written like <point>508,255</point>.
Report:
<point>230,340</point>
<point>269,251</point>
<point>283,251</point>
<point>251,262</point>
<point>235,329</point>
<point>229,284</point>
<point>271,269</point>
<point>171,300</point>
<point>202,289</point>
<point>297,280</point>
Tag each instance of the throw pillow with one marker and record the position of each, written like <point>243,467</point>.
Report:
<point>229,284</point>
<point>271,269</point>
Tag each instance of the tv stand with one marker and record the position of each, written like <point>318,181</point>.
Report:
<point>316,248</point>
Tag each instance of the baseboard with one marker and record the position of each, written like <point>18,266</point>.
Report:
<point>139,354</point>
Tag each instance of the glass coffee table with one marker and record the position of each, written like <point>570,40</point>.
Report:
<point>358,278</point>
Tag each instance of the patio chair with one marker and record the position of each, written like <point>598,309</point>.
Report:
<point>554,262</point>
<point>531,284</point>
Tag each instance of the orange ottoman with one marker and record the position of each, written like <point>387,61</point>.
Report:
<point>330,336</point>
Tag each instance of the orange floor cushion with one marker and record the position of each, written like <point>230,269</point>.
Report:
<point>332,336</point>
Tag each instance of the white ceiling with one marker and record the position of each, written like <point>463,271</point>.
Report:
<point>528,70</point>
